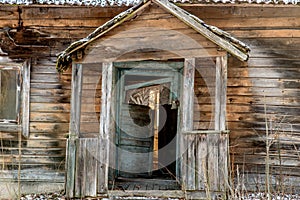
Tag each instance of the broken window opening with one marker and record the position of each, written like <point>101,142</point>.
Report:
<point>10,94</point>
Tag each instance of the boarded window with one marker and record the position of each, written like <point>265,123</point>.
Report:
<point>10,94</point>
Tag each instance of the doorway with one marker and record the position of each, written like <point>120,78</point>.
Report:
<point>147,110</point>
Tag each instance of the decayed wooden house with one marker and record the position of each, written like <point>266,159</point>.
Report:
<point>158,99</point>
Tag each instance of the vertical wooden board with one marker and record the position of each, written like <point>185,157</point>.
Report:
<point>102,184</point>
<point>91,166</point>
<point>191,160</point>
<point>213,161</point>
<point>80,171</point>
<point>70,167</point>
<point>183,161</point>
<point>105,126</point>
<point>26,98</point>
<point>224,138</point>
<point>223,95</point>
<point>223,162</point>
<point>218,93</point>
<point>73,143</point>
<point>188,94</point>
<point>75,100</point>
<point>201,162</point>
<point>186,116</point>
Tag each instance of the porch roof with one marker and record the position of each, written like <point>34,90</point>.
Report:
<point>104,3</point>
<point>216,35</point>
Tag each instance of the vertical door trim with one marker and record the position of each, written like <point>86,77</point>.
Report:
<point>105,126</point>
<point>74,129</point>
<point>186,118</point>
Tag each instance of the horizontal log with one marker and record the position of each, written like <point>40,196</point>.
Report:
<point>35,166</point>
<point>65,22</point>
<point>256,22</point>
<point>33,175</point>
<point>68,12</point>
<point>255,72</point>
<point>49,117</point>
<point>50,99</point>
<point>215,11</point>
<point>10,127</point>
<point>89,127</point>
<point>49,78</point>
<point>285,43</point>
<point>50,107</point>
<point>49,92</point>
<point>259,82</point>
<point>49,127</point>
<point>273,33</point>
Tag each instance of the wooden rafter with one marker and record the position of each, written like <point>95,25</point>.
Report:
<point>212,33</point>
<point>64,59</point>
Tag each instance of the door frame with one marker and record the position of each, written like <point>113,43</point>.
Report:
<point>107,127</point>
<point>171,69</point>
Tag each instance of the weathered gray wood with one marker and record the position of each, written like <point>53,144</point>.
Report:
<point>26,98</point>
<point>187,122</point>
<point>74,131</point>
<point>201,163</point>
<point>191,163</point>
<point>70,167</point>
<point>218,93</point>
<point>199,26</point>
<point>75,100</point>
<point>80,168</point>
<point>213,161</point>
<point>132,156</point>
<point>223,138</point>
<point>111,24</point>
<point>91,163</point>
<point>7,127</point>
<point>105,126</point>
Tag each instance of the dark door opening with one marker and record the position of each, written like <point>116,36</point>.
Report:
<point>146,130</point>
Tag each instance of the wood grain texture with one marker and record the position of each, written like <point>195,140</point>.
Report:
<point>269,77</point>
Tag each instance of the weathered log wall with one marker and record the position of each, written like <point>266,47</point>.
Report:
<point>270,79</point>
<point>266,88</point>
<point>40,33</point>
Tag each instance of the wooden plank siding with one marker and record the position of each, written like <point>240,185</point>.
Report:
<point>40,33</point>
<point>269,78</point>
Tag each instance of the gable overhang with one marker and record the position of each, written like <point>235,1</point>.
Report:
<point>214,34</point>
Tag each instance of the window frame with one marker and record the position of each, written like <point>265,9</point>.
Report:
<point>18,84</point>
<point>23,98</point>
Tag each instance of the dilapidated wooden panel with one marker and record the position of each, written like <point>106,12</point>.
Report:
<point>41,32</point>
<point>269,79</point>
<point>205,164</point>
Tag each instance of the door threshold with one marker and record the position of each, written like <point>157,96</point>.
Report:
<point>148,193</point>
<point>164,194</point>
<point>125,184</point>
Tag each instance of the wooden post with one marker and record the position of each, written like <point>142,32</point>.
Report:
<point>224,138</point>
<point>105,126</point>
<point>26,98</point>
<point>74,129</point>
<point>187,156</point>
<point>218,144</point>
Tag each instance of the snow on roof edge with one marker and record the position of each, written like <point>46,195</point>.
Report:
<point>105,3</point>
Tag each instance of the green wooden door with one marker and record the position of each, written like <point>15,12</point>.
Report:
<point>144,89</point>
